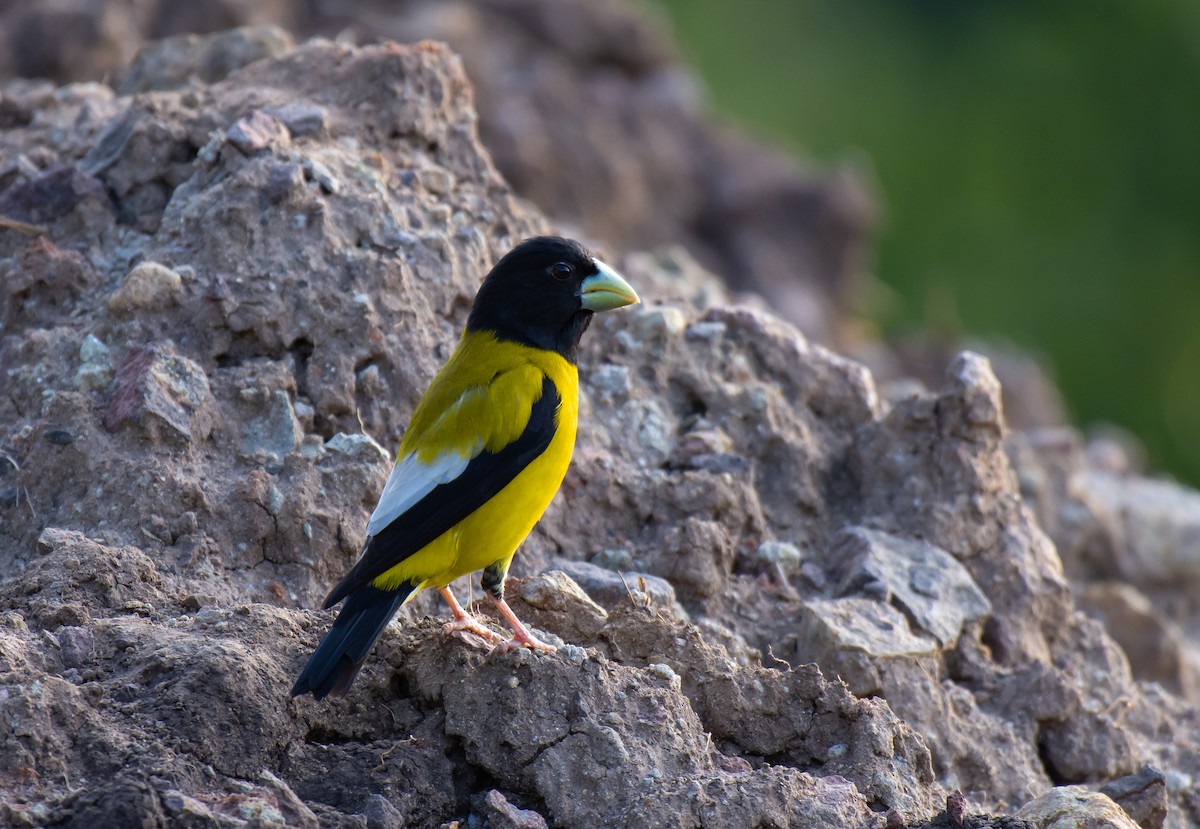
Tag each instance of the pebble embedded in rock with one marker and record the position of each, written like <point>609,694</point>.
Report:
<point>148,286</point>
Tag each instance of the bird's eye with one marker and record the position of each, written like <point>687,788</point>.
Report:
<point>561,270</point>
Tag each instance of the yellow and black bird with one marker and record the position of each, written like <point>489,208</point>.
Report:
<point>484,453</point>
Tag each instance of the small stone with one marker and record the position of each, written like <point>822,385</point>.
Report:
<point>956,808</point>
<point>210,616</point>
<point>1074,807</point>
<point>663,672</point>
<point>282,181</point>
<point>370,382</point>
<point>276,432</point>
<point>610,381</point>
<point>610,589</point>
<point>147,286</point>
<point>95,372</point>
<point>932,586</point>
<point>1142,795</point>
<point>259,810</point>
<point>256,132</point>
<point>166,395</point>
<point>77,646</point>
<point>186,809</point>
<point>706,330</point>
<point>783,553</point>
<point>645,420</point>
<point>356,446</point>
<point>856,638</point>
<point>312,448</point>
<point>972,374</point>
<point>381,814</point>
<point>318,172</point>
<point>437,180</point>
<point>500,814</point>
<point>300,119</point>
<point>274,499</point>
<point>304,410</point>
<point>573,653</point>
<point>649,323</point>
<point>561,604</point>
<point>92,350</point>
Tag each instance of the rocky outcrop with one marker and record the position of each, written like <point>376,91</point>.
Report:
<point>784,598</point>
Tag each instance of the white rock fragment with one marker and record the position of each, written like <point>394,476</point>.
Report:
<point>356,446</point>
<point>783,553</point>
<point>94,372</point>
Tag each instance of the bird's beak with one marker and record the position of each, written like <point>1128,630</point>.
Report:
<point>606,289</point>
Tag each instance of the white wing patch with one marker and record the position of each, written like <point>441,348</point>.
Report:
<point>411,481</point>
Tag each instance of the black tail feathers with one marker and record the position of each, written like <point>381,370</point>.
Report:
<point>337,660</point>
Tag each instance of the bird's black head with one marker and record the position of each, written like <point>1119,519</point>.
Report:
<point>543,293</point>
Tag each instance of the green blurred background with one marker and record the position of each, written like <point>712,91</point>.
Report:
<point>1039,169</point>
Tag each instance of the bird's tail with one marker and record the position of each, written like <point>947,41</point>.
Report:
<point>337,660</point>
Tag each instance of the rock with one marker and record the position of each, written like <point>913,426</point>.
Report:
<point>500,814</point>
<point>77,646</point>
<point>147,287</point>
<point>558,604</point>
<point>381,814</point>
<point>610,381</point>
<point>258,131</point>
<point>1074,807</point>
<point>164,394</point>
<point>929,585</point>
<point>43,282</point>
<point>94,372</point>
<point>1143,796</point>
<point>53,196</point>
<point>650,323</point>
<point>855,639</point>
<point>1154,644</point>
<point>174,61</point>
<point>1160,524</point>
<point>564,729</point>
<point>785,555</point>
<point>357,446</point>
<point>276,433</point>
<point>300,119</point>
<point>610,588</point>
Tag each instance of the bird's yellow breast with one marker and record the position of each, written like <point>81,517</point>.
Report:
<point>492,532</point>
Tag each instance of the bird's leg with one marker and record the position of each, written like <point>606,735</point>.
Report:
<point>465,621</point>
<point>493,584</point>
<point>522,638</point>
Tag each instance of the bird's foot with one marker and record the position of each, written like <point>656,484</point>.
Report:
<point>521,638</point>
<point>469,624</point>
<point>466,622</point>
<point>524,639</point>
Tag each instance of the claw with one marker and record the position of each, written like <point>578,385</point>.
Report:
<point>526,641</point>
<point>464,621</point>
<point>472,625</point>
<point>522,638</point>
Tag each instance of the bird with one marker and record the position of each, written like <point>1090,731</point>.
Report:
<point>485,451</point>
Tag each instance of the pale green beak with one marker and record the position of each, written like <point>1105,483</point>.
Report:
<point>606,290</point>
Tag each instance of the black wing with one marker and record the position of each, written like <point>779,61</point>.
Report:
<point>451,502</point>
